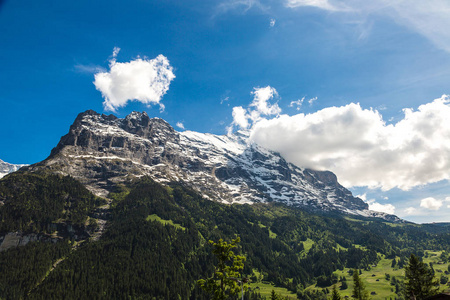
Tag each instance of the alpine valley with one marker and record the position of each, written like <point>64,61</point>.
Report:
<point>124,209</point>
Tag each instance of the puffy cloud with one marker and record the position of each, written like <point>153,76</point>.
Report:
<point>240,117</point>
<point>428,18</point>
<point>180,125</point>
<point>360,148</point>
<point>410,211</point>
<point>261,101</point>
<point>260,106</point>
<point>373,205</point>
<point>144,80</point>
<point>431,203</point>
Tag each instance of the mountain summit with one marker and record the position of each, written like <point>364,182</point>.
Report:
<point>103,150</point>
<point>6,168</point>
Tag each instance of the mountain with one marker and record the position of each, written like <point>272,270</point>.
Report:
<point>168,194</point>
<point>6,168</point>
<point>102,151</point>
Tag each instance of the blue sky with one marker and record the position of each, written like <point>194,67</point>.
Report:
<point>356,65</point>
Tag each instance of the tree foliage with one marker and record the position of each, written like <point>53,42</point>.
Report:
<point>40,202</point>
<point>419,280</point>
<point>335,294</point>
<point>226,281</point>
<point>359,290</point>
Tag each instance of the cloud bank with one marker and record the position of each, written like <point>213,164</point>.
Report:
<point>144,80</point>
<point>357,144</point>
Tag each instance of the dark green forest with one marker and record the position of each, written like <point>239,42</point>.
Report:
<point>155,245</point>
<point>41,202</point>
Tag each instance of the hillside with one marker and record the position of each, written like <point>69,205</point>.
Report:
<point>154,246</point>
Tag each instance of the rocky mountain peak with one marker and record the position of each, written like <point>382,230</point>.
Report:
<point>6,168</point>
<point>102,151</point>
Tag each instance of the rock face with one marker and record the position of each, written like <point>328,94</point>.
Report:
<point>102,150</point>
<point>6,168</point>
<point>14,239</point>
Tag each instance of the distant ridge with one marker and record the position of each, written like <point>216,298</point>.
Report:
<point>6,168</point>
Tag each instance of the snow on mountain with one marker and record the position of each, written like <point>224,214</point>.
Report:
<point>6,168</point>
<point>102,151</point>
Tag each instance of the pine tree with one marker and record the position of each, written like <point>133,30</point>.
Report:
<point>359,291</point>
<point>273,295</point>
<point>224,282</point>
<point>394,263</point>
<point>335,294</point>
<point>419,280</point>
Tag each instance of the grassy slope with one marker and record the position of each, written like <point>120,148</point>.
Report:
<point>375,279</point>
<point>265,288</point>
<point>155,217</point>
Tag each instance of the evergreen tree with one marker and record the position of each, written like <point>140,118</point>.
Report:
<point>225,283</point>
<point>419,280</point>
<point>394,263</point>
<point>335,294</point>
<point>359,290</point>
<point>273,295</point>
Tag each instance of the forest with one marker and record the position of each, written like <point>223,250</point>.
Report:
<point>156,242</point>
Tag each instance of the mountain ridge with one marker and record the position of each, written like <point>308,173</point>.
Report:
<point>6,168</point>
<point>103,150</point>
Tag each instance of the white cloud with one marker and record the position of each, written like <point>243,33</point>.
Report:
<point>322,4</point>
<point>261,101</point>
<point>431,203</point>
<point>373,205</point>
<point>225,99</point>
<point>429,18</point>
<point>363,197</point>
<point>298,103</point>
<point>386,208</point>
<point>311,101</point>
<point>89,69</point>
<point>116,51</point>
<point>410,211</point>
<point>260,106</point>
<point>361,148</point>
<point>240,117</point>
<point>272,22</point>
<point>144,80</point>
<point>180,125</point>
